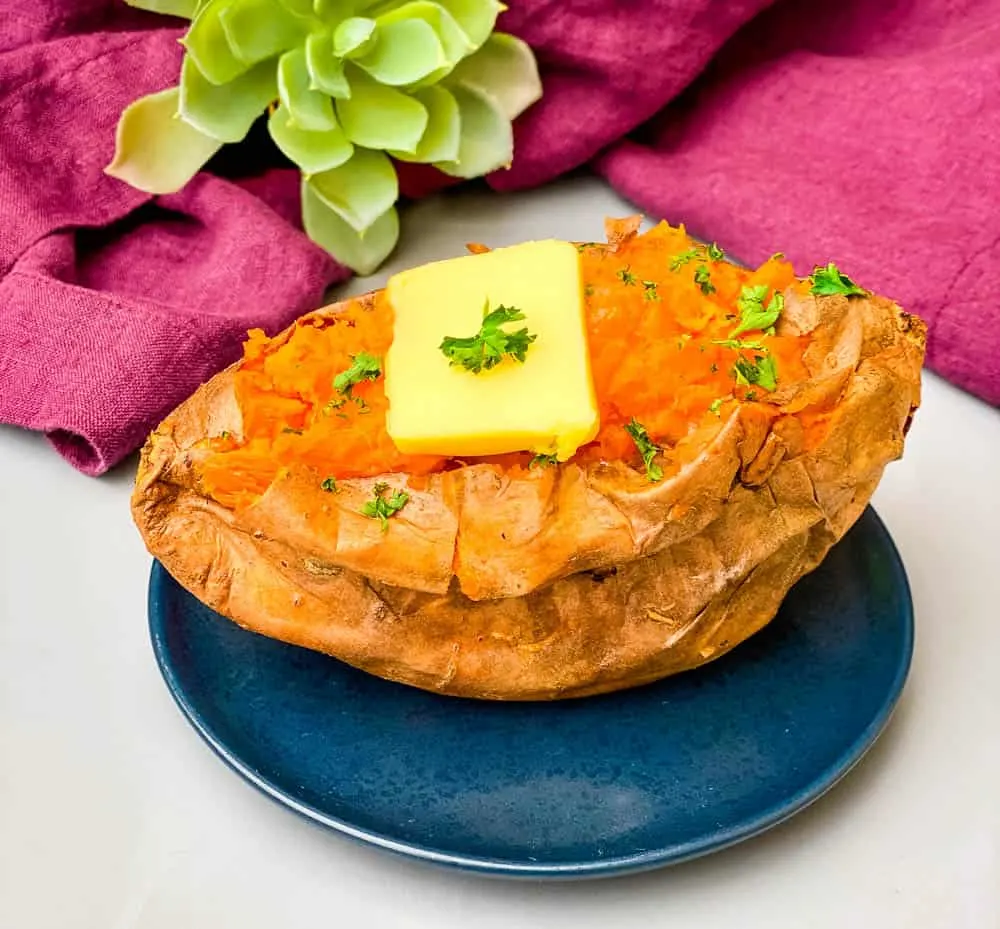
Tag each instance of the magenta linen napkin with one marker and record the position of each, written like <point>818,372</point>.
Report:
<point>866,131</point>
<point>114,305</point>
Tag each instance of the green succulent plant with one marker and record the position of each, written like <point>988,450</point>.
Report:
<point>346,84</point>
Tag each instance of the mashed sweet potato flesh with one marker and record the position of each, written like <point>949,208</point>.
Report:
<point>653,330</point>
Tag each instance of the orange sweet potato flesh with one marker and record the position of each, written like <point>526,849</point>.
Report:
<point>501,581</point>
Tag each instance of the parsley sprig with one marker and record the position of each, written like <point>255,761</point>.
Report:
<point>831,280</point>
<point>381,507</point>
<point>711,252</point>
<point>753,313</point>
<point>364,367</point>
<point>647,448</point>
<point>488,347</point>
<point>754,365</point>
<point>761,371</point>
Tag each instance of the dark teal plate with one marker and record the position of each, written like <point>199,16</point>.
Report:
<point>591,787</point>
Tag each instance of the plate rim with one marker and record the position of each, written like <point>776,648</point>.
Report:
<point>620,865</point>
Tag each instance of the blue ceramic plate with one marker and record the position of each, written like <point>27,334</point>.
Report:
<point>597,786</point>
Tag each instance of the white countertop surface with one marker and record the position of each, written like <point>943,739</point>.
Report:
<point>115,815</point>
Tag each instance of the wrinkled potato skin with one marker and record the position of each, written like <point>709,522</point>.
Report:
<point>564,581</point>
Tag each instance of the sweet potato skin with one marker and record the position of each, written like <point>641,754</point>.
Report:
<point>555,582</point>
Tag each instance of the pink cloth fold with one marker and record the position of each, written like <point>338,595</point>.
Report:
<point>865,131</point>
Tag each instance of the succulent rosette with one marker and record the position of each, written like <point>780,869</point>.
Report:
<point>349,86</point>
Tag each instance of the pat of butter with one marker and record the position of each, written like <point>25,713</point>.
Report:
<point>544,405</point>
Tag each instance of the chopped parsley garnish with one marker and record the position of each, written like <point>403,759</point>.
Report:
<point>831,280</point>
<point>329,485</point>
<point>626,276</point>
<point>381,507</point>
<point>364,367</point>
<point>647,448</point>
<point>542,461</point>
<point>681,259</point>
<point>224,434</point>
<point>288,430</point>
<point>580,246</point>
<point>761,372</point>
<point>753,313</point>
<point>716,405</point>
<point>588,290</point>
<point>487,348</point>
<point>712,252</point>
<point>649,290</point>
<point>702,279</point>
<point>739,345</point>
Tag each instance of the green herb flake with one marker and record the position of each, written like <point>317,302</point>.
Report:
<point>381,507</point>
<point>702,279</point>
<point>288,430</point>
<point>761,372</point>
<point>488,347</point>
<point>626,276</point>
<point>831,280</point>
<point>224,434</point>
<point>739,345</point>
<point>716,405</point>
<point>364,367</point>
<point>329,485</point>
<point>682,258</point>
<point>649,290</point>
<point>588,290</point>
<point>647,448</point>
<point>715,253</point>
<point>542,461</point>
<point>753,314</point>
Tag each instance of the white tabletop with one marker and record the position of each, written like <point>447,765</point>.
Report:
<point>115,815</point>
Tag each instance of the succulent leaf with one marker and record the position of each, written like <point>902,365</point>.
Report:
<point>362,253</point>
<point>354,37</point>
<point>505,68</point>
<point>303,8</point>
<point>406,51</point>
<point>444,126</point>
<point>206,42</point>
<point>360,190</point>
<point>313,152</point>
<point>454,41</point>
<point>260,29</point>
<point>326,71</point>
<point>475,17</point>
<point>334,10</point>
<point>487,141</point>
<point>307,108</point>
<point>381,117</point>
<point>225,112</point>
<point>155,150</point>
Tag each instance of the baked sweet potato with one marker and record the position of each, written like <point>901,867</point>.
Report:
<point>508,578</point>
